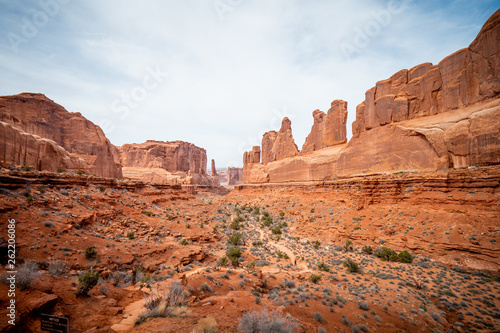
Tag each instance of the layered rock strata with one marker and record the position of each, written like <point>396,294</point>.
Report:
<point>425,119</point>
<point>41,117</point>
<point>160,162</point>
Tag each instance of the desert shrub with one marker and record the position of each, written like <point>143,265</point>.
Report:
<point>26,273</point>
<point>162,302</point>
<point>315,278</point>
<point>386,254</point>
<point>405,257</point>
<point>318,317</point>
<point>235,225</point>
<point>90,252</point>
<point>131,235</point>
<point>352,266</point>
<point>316,244</point>
<point>57,267</point>
<point>206,287</point>
<point>147,213</point>
<point>60,170</point>
<point>184,242</point>
<point>87,280</point>
<point>323,267</point>
<point>348,245</point>
<point>207,325</point>
<point>266,322</point>
<point>367,249</point>
<point>235,238</point>
<point>222,261</point>
<point>234,254</point>
<point>276,230</point>
<point>364,306</point>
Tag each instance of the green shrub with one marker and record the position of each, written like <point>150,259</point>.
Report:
<point>88,280</point>
<point>276,230</point>
<point>323,267</point>
<point>315,278</point>
<point>131,235</point>
<point>256,210</point>
<point>235,238</point>
<point>90,252</point>
<point>147,213</point>
<point>367,249</point>
<point>79,172</point>
<point>234,254</point>
<point>184,242</point>
<point>27,168</point>
<point>60,170</point>
<point>386,254</point>
<point>316,244</point>
<point>348,245</point>
<point>405,257</point>
<point>352,266</point>
<point>223,261</point>
<point>235,225</point>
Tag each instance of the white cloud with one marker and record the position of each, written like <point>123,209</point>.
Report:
<point>228,80</point>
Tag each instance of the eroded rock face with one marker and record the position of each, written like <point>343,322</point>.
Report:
<point>21,148</point>
<point>328,129</point>
<point>160,162</point>
<point>234,176</point>
<point>40,116</point>
<point>468,76</point>
<point>425,119</point>
<point>278,145</point>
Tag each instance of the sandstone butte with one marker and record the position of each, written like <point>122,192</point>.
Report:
<point>37,132</point>
<point>428,118</point>
<point>161,162</point>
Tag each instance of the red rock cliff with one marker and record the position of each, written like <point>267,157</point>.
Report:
<point>428,118</point>
<point>328,129</point>
<point>165,162</point>
<point>40,116</point>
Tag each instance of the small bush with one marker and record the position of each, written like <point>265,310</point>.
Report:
<point>161,302</point>
<point>316,244</point>
<point>26,273</point>
<point>57,267</point>
<point>60,170</point>
<point>364,306</point>
<point>206,287</point>
<point>235,225</point>
<point>131,235</point>
<point>405,257</point>
<point>323,267</point>
<point>318,317</point>
<point>184,242</point>
<point>348,245</point>
<point>266,322</point>
<point>88,280</point>
<point>235,238</point>
<point>352,266</point>
<point>367,249</point>
<point>90,252</point>
<point>234,254</point>
<point>147,213</point>
<point>386,254</point>
<point>315,278</point>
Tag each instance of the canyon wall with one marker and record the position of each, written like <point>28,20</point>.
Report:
<point>175,162</point>
<point>234,176</point>
<point>43,118</point>
<point>427,118</point>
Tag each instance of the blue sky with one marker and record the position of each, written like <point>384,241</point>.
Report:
<point>219,73</point>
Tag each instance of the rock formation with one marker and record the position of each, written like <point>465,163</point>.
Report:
<point>175,162</point>
<point>425,119</point>
<point>234,176</point>
<point>278,145</point>
<point>41,117</point>
<point>21,148</point>
<point>328,129</point>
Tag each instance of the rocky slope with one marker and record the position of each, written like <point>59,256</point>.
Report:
<point>175,162</point>
<point>428,118</point>
<point>40,116</point>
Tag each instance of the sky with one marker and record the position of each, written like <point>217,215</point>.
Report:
<point>220,73</point>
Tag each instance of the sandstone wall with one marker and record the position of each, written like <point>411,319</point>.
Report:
<point>428,118</point>
<point>175,162</point>
<point>40,116</point>
<point>21,148</point>
<point>234,176</point>
<point>328,129</point>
